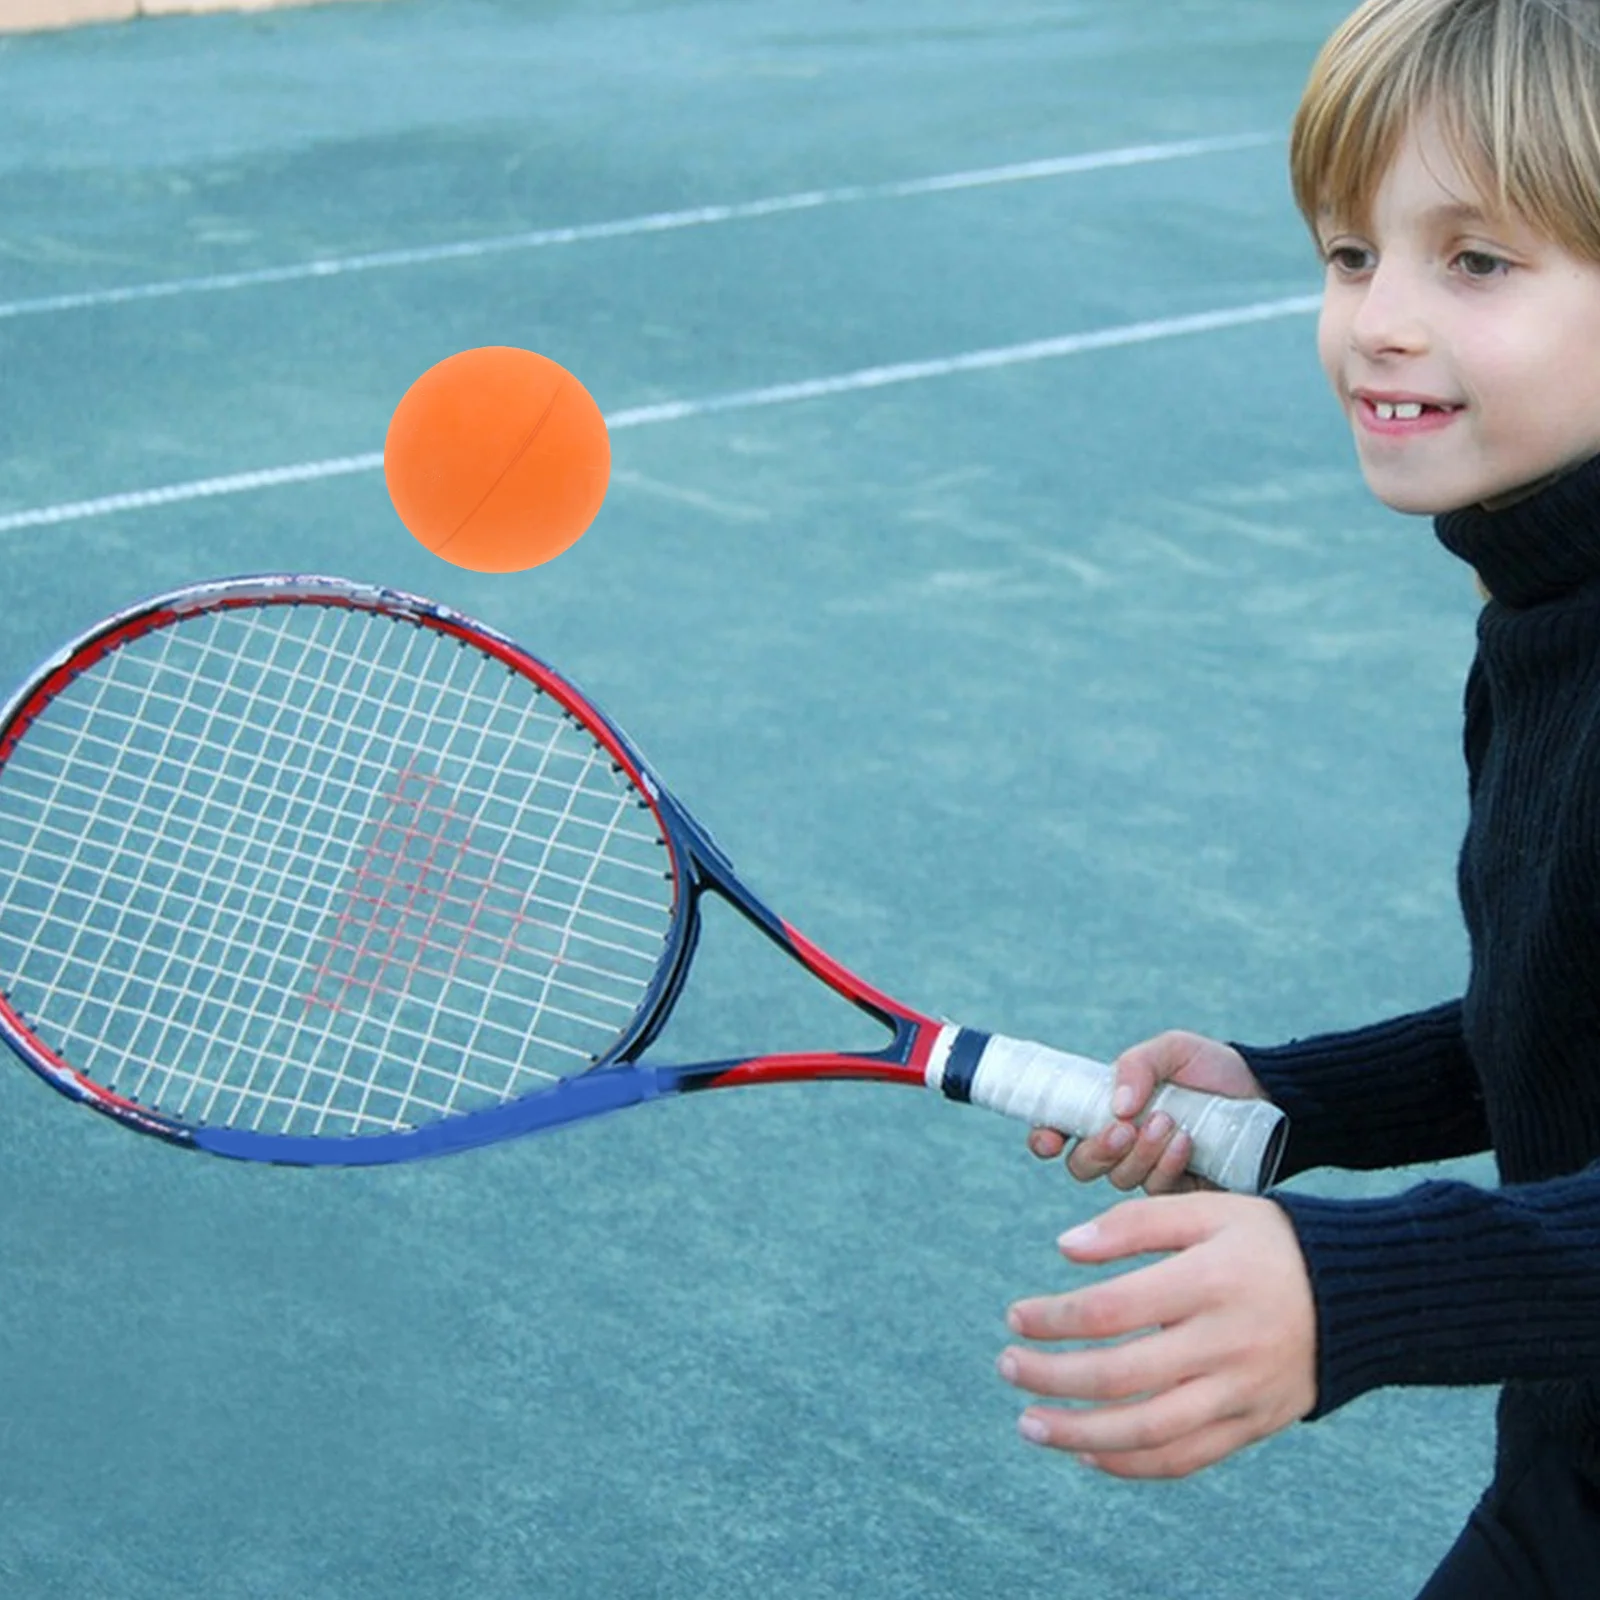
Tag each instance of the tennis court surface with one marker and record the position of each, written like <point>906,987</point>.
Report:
<point>984,563</point>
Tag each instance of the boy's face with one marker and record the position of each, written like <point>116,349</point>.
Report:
<point>1475,314</point>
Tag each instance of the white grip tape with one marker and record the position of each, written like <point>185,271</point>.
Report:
<point>1236,1142</point>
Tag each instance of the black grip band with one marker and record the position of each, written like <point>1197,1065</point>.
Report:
<point>962,1064</point>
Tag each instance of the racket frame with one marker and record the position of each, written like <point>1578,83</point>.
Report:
<point>696,866</point>
<point>1240,1147</point>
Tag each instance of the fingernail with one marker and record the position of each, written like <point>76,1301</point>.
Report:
<point>1119,1138</point>
<point>1122,1101</point>
<point>1088,1461</point>
<point>1159,1126</point>
<point>1033,1430</point>
<point>1008,1367</point>
<point>1080,1238</point>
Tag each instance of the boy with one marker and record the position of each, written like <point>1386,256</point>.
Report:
<point>1446,156</point>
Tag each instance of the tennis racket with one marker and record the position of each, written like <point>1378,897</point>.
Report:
<point>299,870</point>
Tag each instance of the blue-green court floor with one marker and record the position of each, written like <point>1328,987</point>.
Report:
<point>1079,689</point>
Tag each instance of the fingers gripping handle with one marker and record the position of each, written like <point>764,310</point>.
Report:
<point>1237,1143</point>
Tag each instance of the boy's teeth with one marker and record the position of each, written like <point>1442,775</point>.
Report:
<point>1406,410</point>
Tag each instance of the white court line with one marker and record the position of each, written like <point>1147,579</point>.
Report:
<point>656,222</point>
<point>676,410</point>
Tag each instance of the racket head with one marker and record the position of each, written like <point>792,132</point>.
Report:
<point>303,870</point>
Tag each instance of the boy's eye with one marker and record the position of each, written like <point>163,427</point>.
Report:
<point>1347,258</point>
<point>1480,264</point>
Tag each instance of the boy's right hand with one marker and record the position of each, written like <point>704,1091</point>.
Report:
<point>1155,1156</point>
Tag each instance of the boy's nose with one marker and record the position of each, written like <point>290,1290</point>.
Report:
<point>1388,320</point>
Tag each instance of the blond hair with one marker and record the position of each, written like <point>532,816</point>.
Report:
<point>1514,84</point>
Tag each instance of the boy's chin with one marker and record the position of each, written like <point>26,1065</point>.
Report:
<point>1417,502</point>
<point>1421,499</point>
<point>1414,499</point>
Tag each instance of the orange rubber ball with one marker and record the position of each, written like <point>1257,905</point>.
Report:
<point>497,459</point>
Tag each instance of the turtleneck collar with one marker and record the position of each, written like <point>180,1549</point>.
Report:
<point>1537,548</point>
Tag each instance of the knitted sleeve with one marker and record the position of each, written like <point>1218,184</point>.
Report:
<point>1453,1284</point>
<point>1388,1095</point>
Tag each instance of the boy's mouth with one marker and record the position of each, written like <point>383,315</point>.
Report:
<point>1402,415</point>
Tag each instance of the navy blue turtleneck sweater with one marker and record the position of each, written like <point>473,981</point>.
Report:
<point>1449,1283</point>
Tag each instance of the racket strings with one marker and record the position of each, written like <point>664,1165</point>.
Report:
<point>314,869</point>
<point>292,749</point>
<point>110,809</point>
<point>318,1090</point>
<point>209,838</point>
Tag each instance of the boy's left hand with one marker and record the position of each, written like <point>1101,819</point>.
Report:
<point>1225,1352</point>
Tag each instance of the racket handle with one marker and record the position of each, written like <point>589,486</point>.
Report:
<point>1237,1144</point>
